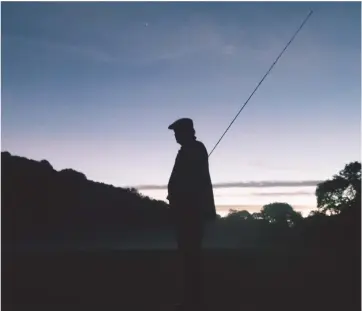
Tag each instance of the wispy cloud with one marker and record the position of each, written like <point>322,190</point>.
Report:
<point>249,184</point>
<point>277,194</point>
<point>267,194</point>
<point>144,39</point>
<point>119,38</point>
<point>81,50</point>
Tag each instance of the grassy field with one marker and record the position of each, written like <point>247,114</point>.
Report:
<point>249,279</point>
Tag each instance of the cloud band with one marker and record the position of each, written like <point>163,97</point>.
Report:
<point>250,184</point>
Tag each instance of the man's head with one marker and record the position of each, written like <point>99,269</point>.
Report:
<point>184,130</point>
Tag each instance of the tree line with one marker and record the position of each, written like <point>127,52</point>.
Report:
<point>39,201</point>
<point>336,219</point>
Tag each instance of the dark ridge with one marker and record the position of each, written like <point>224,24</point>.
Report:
<point>38,201</point>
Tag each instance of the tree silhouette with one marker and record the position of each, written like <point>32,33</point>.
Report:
<point>280,213</point>
<point>135,192</point>
<point>315,213</point>
<point>239,215</point>
<point>257,216</point>
<point>342,191</point>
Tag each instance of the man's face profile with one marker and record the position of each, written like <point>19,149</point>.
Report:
<point>178,137</point>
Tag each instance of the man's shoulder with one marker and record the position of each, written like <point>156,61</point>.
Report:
<point>200,147</point>
<point>199,143</point>
<point>197,148</point>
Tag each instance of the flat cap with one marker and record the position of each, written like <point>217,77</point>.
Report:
<point>182,124</point>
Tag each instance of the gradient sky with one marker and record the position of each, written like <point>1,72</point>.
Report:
<point>93,87</point>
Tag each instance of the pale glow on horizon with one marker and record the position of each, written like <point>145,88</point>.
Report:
<point>252,199</point>
<point>222,213</point>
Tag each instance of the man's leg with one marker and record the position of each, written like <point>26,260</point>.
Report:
<point>181,233</point>
<point>193,265</point>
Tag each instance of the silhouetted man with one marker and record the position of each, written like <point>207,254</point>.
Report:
<point>191,197</point>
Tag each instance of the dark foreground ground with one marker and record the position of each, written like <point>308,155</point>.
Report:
<point>249,279</point>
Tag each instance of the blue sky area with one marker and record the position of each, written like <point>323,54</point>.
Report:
<point>93,86</point>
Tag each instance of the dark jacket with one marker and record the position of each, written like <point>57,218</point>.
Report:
<point>190,187</point>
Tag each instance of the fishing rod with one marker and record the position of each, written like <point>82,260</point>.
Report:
<point>261,81</point>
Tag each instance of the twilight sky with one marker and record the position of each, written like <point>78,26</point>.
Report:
<point>93,87</point>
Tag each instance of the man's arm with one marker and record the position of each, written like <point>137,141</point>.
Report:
<point>173,183</point>
<point>197,169</point>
